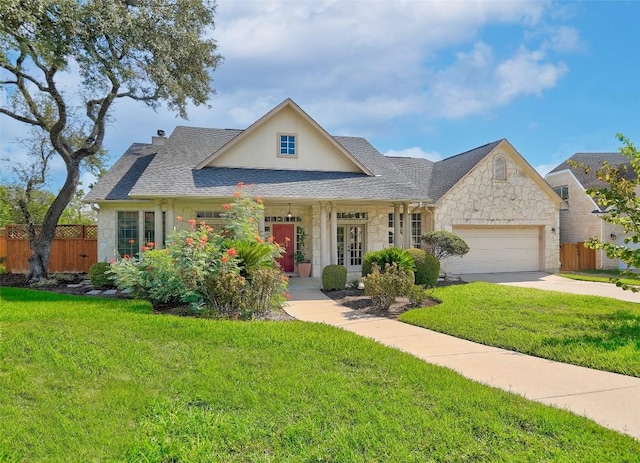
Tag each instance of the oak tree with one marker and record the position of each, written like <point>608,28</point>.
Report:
<point>65,63</point>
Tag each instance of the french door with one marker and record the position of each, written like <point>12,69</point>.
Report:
<point>350,246</point>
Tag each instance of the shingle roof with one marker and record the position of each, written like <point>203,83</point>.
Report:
<point>448,172</point>
<point>116,184</point>
<point>593,162</point>
<point>147,171</point>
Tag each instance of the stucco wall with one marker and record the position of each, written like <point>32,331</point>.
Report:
<point>480,200</point>
<point>578,223</point>
<point>260,150</point>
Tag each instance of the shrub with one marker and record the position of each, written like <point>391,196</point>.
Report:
<point>383,288</point>
<point>385,257</point>
<point>100,275</point>
<point>334,277</point>
<point>427,267</point>
<point>418,294</point>
<point>443,244</point>
<point>229,273</point>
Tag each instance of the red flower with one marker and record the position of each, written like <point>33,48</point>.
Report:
<point>204,239</point>
<point>151,244</point>
<point>144,248</point>
<point>224,259</point>
<point>132,241</point>
<point>189,241</point>
<point>126,256</point>
<point>226,206</point>
<point>232,252</point>
<point>112,261</point>
<point>240,185</point>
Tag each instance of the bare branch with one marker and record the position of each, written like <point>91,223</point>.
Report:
<point>20,118</point>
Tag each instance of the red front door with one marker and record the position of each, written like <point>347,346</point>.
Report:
<point>283,235</point>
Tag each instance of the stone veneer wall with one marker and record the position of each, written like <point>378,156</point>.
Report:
<point>578,223</point>
<point>479,200</point>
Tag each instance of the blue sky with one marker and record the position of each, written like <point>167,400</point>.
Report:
<point>429,79</point>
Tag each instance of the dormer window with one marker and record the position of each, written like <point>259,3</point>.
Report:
<point>287,145</point>
<point>499,169</point>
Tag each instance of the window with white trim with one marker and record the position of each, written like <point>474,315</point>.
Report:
<point>287,145</point>
<point>499,168</point>
<point>563,192</point>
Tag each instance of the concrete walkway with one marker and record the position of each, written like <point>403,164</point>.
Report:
<point>609,399</point>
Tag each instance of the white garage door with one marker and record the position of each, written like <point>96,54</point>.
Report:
<point>494,250</point>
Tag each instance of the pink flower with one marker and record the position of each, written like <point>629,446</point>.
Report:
<point>112,261</point>
<point>151,244</point>
<point>232,252</point>
<point>189,241</point>
<point>224,259</point>
<point>236,194</point>
<point>192,222</point>
<point>240,185</point>
<point>144,248</point>
<point>226,206</point>
<point>179,218</point>
<point>132,241</point>
<point>126,256</point>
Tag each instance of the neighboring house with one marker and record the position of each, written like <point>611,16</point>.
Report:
<point>346,196</point>
<point>581,217</point>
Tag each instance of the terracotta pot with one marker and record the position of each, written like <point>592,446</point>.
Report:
<point>304,269</point>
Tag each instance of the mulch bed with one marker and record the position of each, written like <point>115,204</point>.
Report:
<point>356,299</point>
<point>352,298</point>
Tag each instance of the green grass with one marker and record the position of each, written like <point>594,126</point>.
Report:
<point>104,380</point>
<point>603,276</point>
<point>591,331</point>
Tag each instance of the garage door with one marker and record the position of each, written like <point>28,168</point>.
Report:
<point>494,250</point>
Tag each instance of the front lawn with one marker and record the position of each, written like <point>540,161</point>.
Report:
<point>86,379</point>
<point>603,276</point>
<point>590,331</point>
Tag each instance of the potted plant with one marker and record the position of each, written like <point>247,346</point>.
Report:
<point>304,264</point>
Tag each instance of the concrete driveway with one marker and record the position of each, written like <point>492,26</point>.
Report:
<point>550,282</point>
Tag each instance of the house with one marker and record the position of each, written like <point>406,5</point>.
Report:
<point>581,217</point>
<point>345,195</point>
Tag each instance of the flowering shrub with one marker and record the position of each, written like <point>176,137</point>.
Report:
<point>230,273</point>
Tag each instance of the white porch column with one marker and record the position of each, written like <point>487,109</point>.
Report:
<point>396,225</point>
<point>323,237</point>
<point>334,234</point>
<point>171,217</point>
<point>261,224</point>
<point>157,225</point>
<point>407,225</point>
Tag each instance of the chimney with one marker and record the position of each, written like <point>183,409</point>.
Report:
<point>160,139</point>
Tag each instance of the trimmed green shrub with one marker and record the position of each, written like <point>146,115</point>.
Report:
<point>383,288</point>
<point>443,244</point>
<point>100,275</point>
<point>334,277</point>
<point>427,267</point>
<point>385,257</point>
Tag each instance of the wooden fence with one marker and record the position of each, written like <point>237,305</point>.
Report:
<point>74,248</point>
<point>574,256</point>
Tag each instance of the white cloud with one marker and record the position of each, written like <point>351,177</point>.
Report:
<point>544,169</point>
<point>360,67</point>
<point>415,152</point>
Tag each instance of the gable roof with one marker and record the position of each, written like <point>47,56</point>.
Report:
<point>180,168</point>
<point>288,103</point>
<point>593,162</point>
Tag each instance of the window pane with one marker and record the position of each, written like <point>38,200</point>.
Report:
<point>127,233</point>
